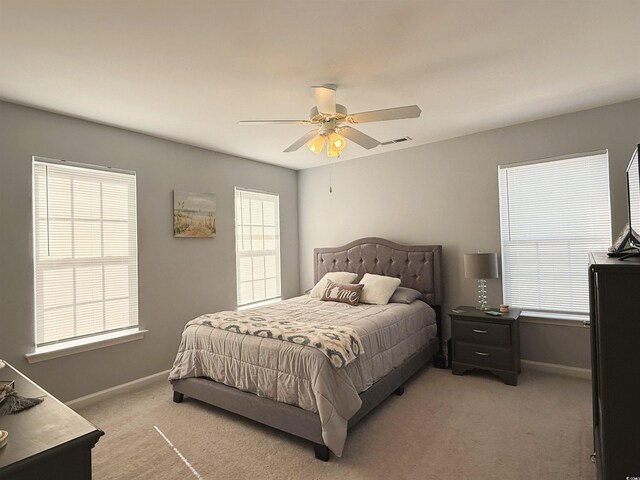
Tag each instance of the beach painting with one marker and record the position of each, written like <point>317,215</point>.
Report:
<point>194,214</point>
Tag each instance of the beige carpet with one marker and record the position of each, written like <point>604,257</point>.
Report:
<point>443,427</point>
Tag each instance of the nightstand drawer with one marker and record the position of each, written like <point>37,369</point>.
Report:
<point>481,332</point>
<point>483,355</point>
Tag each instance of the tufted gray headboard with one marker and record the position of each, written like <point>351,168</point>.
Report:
<point>417,266</point>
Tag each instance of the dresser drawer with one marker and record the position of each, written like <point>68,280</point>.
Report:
<point>482,332</point>
<point>483,355</point>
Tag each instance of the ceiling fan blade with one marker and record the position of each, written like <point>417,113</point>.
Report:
<point>301,141</point>
<point>299,122</point>
<point>326,98</point>
<point>358,137</point>
<point>411,111</point>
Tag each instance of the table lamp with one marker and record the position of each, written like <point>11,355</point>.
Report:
<point>481,266</point>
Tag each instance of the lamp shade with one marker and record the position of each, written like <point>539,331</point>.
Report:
<point>480,265</point>
<point>335,145</point>
<point>316,144</point>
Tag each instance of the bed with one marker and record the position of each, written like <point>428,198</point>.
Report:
<point>296,389</point>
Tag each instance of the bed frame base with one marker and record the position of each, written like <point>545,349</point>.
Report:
<point>295,420</point>
<point>322,452</point>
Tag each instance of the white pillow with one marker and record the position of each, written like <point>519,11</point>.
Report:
<point>378,288</point>
<point>335,277</point>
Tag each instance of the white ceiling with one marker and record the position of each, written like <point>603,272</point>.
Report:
<point>189,70</point>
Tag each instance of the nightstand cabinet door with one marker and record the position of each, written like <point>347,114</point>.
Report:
<point>486,342</point>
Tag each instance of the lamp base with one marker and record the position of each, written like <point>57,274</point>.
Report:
<point>482,294</point>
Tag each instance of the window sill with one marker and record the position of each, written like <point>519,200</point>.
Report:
<point>260,304</point>
<point>84,345</point>
<point>559,319</point>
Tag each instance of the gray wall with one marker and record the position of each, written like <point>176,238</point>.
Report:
<point>447,193</point>
<point>179,279</point>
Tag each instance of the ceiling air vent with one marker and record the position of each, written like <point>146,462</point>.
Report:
<point>397,140</point>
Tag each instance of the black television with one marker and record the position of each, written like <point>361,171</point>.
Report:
<point>633,197</point>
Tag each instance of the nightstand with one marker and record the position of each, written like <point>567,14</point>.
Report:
<point>486,342</point>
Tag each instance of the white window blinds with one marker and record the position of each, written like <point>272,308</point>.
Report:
<point>86,274</point>
<point>257,246</point>
<point>552,213</point>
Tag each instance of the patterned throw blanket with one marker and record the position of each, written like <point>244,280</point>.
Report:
<point>339,344</point>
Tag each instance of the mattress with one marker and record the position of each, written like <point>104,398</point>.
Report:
<point>303,376</point>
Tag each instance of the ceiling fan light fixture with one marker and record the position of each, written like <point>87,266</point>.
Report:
<point>336,144</point>
<point>331,152</point>
<point>316,144</point>
<point>329,117</point>
<point>337,141</point>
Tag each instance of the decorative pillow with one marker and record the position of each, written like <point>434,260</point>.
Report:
<point>337,277</point>
<point>378,288</point>
<point>404,295</point>
<point>342,292</point>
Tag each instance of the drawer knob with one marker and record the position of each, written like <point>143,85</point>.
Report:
<point>480,331</point>
<point>482,354</point>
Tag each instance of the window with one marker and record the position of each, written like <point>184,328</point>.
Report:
<point>552,213</point>
<point>86,273</point>
<point>257,246</point>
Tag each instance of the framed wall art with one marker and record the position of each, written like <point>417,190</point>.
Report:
<point>194,214</point>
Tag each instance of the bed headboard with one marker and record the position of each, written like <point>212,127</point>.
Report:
<point>417,266</point>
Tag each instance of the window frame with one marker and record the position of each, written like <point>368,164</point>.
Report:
<point>255,253</point>
<point>51,349</point>
<point>573,315</point>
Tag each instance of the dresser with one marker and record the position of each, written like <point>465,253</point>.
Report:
<point>614,292</point>
<point>48,441</point>
<point>486,342</point>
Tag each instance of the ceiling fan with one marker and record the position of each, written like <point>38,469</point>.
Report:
<point>330,116</point>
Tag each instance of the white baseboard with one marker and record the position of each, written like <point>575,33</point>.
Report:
<point>110,392</point>
<point>557,369</point>
<point>141,382</point>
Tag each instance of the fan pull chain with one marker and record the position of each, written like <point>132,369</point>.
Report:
<point>330,178</point>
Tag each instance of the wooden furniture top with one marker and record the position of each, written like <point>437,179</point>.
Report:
<point>39,429</point>
<point>476,314</point>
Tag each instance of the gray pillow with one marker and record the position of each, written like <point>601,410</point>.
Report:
<point>404,295</point>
